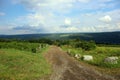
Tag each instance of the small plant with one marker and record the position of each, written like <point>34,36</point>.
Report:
<point>34,50</point>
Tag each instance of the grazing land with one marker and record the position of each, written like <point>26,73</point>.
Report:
<point>45,59</point>
<point>17,64</point>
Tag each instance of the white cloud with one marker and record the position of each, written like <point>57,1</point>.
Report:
<point>106,18</point>
<point>72,29</point>
<point>67,29</point>
<point>32,19</point>
<point>115,14</point>
<point>54,13</point>
<point>82,23</point>
<point>67,21</point>
<point>107,27</point>
<point>118,25</point>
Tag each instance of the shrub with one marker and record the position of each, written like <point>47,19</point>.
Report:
<point>86,45</point>
<point>20,46</point>
<point>33,50</point>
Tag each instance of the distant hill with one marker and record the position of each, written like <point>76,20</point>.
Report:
<point>103,37</point>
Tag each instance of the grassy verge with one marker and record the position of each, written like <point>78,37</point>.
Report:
<point>22,65</point>
<point>99,54</point>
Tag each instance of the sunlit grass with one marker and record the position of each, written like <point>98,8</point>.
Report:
<point>22,65</point>
<point>99,54</point>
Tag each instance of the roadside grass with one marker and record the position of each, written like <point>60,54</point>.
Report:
<point>99,54</point>
<point>22,65</point>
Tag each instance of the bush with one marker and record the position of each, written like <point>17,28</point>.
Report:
<point>86,45</point>
<point>20,46</point>
<point>33,50</point>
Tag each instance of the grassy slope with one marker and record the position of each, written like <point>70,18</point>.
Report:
<point>22,65</point>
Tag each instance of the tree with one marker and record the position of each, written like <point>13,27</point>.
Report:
<point>86,45</point>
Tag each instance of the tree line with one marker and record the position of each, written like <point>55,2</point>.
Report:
<point>76,43</point>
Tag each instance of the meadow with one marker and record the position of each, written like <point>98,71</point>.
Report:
<point>24,60</point>
<point>19,61</point>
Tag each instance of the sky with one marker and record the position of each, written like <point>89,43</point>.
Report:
<point>59,16</point>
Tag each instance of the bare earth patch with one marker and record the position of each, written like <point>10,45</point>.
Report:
<point>66,68</point>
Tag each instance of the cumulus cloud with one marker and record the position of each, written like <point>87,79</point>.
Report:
<point>65,26</point>
<point>61,15</point>
<point>72,29</point>
<point>32,19</point>
<point>67,29</point>
<point>107,27</point>
<point>31,23</point>
<point>106,18</point>
<point>118,25</point>
<point>67,21</point>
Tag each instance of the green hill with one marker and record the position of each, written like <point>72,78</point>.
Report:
<point>103,37</point>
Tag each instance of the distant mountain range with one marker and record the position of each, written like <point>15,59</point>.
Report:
<point>103,37</point>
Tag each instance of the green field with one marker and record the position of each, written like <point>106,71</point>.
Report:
<point>22,65</point>
<point>99,54</point>
<point>20,60</point>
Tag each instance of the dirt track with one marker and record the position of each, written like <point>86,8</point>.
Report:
<point>67,68</point>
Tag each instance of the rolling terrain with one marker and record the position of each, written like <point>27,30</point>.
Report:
<point>103,37</point>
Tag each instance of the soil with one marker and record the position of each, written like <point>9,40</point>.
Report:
<point>67,68</point>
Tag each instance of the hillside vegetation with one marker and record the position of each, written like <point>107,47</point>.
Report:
<point>103,37</point>
<point>23,59</point>
<point>19,62</point>
<point>99,54</point>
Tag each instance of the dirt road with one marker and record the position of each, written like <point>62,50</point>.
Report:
<point>67,68</point>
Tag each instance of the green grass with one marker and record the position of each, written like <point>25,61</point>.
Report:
<point>26,46</point>
<point>22,65</point>
<point>99,54</point>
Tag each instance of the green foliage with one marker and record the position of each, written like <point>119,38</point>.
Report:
<point>85,45</point>
<point>34,50</point>
<point>42,40</point>
<point>102,38</point>
<point>19,45</point>
<point>61,42</point>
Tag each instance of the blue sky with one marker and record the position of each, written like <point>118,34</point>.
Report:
<point>59,16</point>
